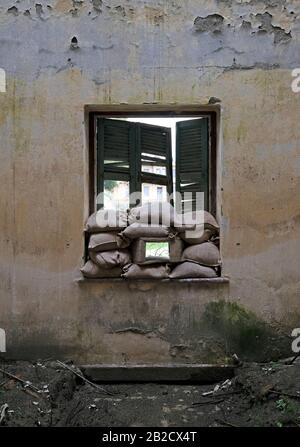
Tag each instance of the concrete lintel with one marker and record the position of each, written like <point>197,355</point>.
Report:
<point>159,373</point>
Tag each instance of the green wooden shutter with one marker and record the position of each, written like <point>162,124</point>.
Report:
<point>154,150</point>
<point>192,159</point>
<point>115,152</point>
<point>124,148</point>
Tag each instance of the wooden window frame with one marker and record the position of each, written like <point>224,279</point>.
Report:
<point>120,112</point>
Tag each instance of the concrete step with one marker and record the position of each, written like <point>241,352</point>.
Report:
<point>192,373</point>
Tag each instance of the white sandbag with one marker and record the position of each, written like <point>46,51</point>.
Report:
<point>106,241</point>
<point>111,259</point>
<point>107,220</point>
<point>92,270</point>
<point>157,213</point>
<point>192,270</point>
<point>134,271</point>
<point>206,254</point>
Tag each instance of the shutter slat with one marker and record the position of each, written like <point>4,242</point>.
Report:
<point>192,152</point>
<point>154,143</point>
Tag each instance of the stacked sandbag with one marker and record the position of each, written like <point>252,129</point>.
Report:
<point>196,227</point>
<point>205,254</point>
<point>134,271</point>
<point>151,222</point>
<point>111,259</point>
<point>92,270</point>
<point>192,270</point>
<point>153,213</point>
<point>201,257</point>
<point>117,243</point>
<point>107,220</point>
<point>106,241</point>
<point>138,230</point>
<point>106,249</point>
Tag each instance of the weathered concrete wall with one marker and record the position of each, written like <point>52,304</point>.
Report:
<point>138,52</point>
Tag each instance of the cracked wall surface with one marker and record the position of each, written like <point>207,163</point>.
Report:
<point>232,56</point>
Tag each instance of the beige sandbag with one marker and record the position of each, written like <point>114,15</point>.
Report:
<point>107,220</point>
<point>190,220</point>
<point>192,270</point>
<point>206,254</point>
<point>110,259</point>
<point>136,230</point>
<point>135,271</point>
<point>197,235</point>
<point>157,213</point>
<point>92,270</point>
<point>106,241</point>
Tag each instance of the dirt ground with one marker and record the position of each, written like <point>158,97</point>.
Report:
<point>258,395</point>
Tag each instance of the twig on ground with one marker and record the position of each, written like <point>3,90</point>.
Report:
<point>4,382</point>
<point>221,421</point>
<point>217,395</point>
<point>74,412</point>
<point>32,394</point>
<point>24,382</point>
<point>207,402</point>
<point>3,409</point>
<point>293,359</point>
<point>281,393</point>
<point>103,390</point>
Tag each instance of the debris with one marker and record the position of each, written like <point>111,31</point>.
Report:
<point>31,393</point>
<point>4,382</point>
<point>292,360</point>
<point>236,360</point>
<point>207,402</point>
<point>265,391</point>
<point>3,410</point>
<point>25,383</point>
<point>221,421</point>
<point>84,378</point>
<point>281,393</point>
<point>218,387</point>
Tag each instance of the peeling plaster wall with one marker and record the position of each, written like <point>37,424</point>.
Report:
<point>61,55</point>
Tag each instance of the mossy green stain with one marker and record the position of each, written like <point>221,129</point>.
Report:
<point>241,330</point>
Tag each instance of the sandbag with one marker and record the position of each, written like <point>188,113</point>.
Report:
<point>157,213</point>
<point>192,270</point>
<point>190,221</point>
<point>107,220</point>
<point>136,230</point>
<point>134,271</point>
<point>92,270</point>
<point>197,236</point>
<point>106,241</point>
<point>206,254</point>
<point>111,259</point>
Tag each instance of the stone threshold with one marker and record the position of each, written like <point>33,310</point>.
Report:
<point>206,281</point>
<point>172,373</point>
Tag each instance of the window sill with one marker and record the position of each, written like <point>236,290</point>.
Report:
<point>206,281</point>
